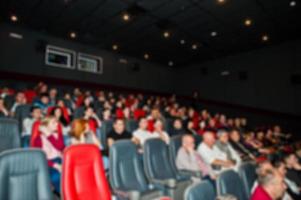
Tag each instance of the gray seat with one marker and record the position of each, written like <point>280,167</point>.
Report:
<point>103,131</point>
<point>247,172</point>
<point>24,175</point>
<point>127,173</point>
<point>9,134</point>
<point>229,182</point>
<point>201,191</point>
<point>131,125</point>
<point>159,171</point>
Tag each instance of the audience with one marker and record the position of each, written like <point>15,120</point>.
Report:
<point>118,132</point>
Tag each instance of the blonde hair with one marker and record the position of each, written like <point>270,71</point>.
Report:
<point>45,122</point>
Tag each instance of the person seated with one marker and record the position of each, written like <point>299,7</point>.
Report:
<point>212,155</point>
<point>35,115</point>
<point>92,118</point>
<point>236,143</point>
<point>81,134</point>
<point>223,145</point>
<point>155,114</point>
<point>293,169</point>
<point>52,143</point>
<point>261,169</point>
<point>177,128</point>
<point>160,132</point>
<point>52,96</point>
<point>118,132</point>
<point>271,186</point>
<point>293,191</point>
<point>189,159</point>
<point>42,102</point>
<point>20,99</point>
<point>3,110</point>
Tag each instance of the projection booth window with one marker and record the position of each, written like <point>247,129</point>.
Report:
<point>60,57</point>
<point>89,63</point>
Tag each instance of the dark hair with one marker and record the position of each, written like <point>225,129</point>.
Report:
<point>32,108</point>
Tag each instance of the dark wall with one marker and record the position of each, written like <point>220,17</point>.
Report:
<point>22,56</point>
<point>266,73</point>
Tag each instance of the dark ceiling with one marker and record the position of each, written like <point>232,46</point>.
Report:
<point>100,23</point>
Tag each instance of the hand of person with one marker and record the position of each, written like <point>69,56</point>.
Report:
<point>58,167</point>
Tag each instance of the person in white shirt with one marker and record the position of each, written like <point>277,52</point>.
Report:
<point>159,131</point>
<point>142,134</point>
<point>212,155</point>
<point>223,145</point>
<point>36,114</point>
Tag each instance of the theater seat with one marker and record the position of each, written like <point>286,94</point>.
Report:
<point>229,182</point>
<point>159,170</point>
<point>247,172</point>
<point>201,191</point>
<point>24,175</point>
<point>127,174</point>
<point>9,134</point>
<point>83,175</point>
<point>131,125</point>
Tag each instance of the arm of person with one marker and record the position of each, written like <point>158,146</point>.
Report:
<point>136,140</point>
<point>110,141</point>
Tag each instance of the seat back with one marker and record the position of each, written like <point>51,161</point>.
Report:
<point>9,134</point>
<point>131,125</point>
<point>126,170</point>
<point>24,175</point>
<point>156,160</point>
<point>103,131</point>
<point>201,191</point>
<point>83,175</point>
<point>174,145</point>
<point>247,172</point>
<point>198,139</point>
<point>229,182</point>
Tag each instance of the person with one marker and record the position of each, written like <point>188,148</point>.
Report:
<point>189,159</point>
<point>52,143</point>
<point>118,132</point>
<point>271,186</point>
<point>92,118</point>
<point>43,102</point>
<point>20,99</point>
<point>35,115</point>
<point>212,155</point>
<point>223,145</point>
<point>261,169</point>
<point>293,169</point>
<point>3,110</point>
<point>160,132</point>
<point>177,128</point>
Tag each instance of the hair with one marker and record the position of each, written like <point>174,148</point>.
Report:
<point>34,108</point>
<point>46,120</point>
<point>78,127</point>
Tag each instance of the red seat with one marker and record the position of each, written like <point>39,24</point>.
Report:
<point>83,175</point>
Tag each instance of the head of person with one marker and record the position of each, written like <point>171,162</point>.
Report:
<point>143,123</point>
<point>273,183</point>
<point>188,142</point>
<point>50,123</point>
<point>57,112</point>
<point>234,135</point>
<point>263,167</point>
<point>44,98</point>
<point>119,126</point>
<point>89,112</point>
<point>155,113</point>
<point>291,160</point>
<point>53,93</point>
<point>78,128</point>
<point>106,114</point>
<point>20,97</point>
<point>190,125</point>
<point>36,112</point>
<point>279,165</point>
<point>209,138</point>
<point>177,124</point>
<point>87,101</point>
<point>223,136</point>
<point>158,125</point>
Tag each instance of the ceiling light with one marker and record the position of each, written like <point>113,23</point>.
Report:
<point>293,3</point>
<point>73,35</point>
<point>166,34</point>
<point>213,33</point>
<point>182,41</point>
<point>194,46</point>
<point>265,38</point>
<point>14,18</point>
<point>115,47</point>
<point>146,56</point>
<point>170,63</point>
<point>248,22</point>
<point>126,17</point>
<point>221,1</point>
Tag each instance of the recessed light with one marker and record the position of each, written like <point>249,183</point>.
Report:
<point>194,46</point>
<point>293,3</point>
<point>126,17</point>
<point>182,41</point>
<point>170,63</point>
<point>221,1</point>
<point>248,22</point>
<point>213,33</point>
<point>166,34</point>
<point>146,56</point>
<point>115,47</point>
<point>14,18</point>
<point>265,38</point>
<point>72,35</point>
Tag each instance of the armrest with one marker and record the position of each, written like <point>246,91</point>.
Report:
<point>131,195</point>
<point>191,173</point>
<point>171,183</point>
